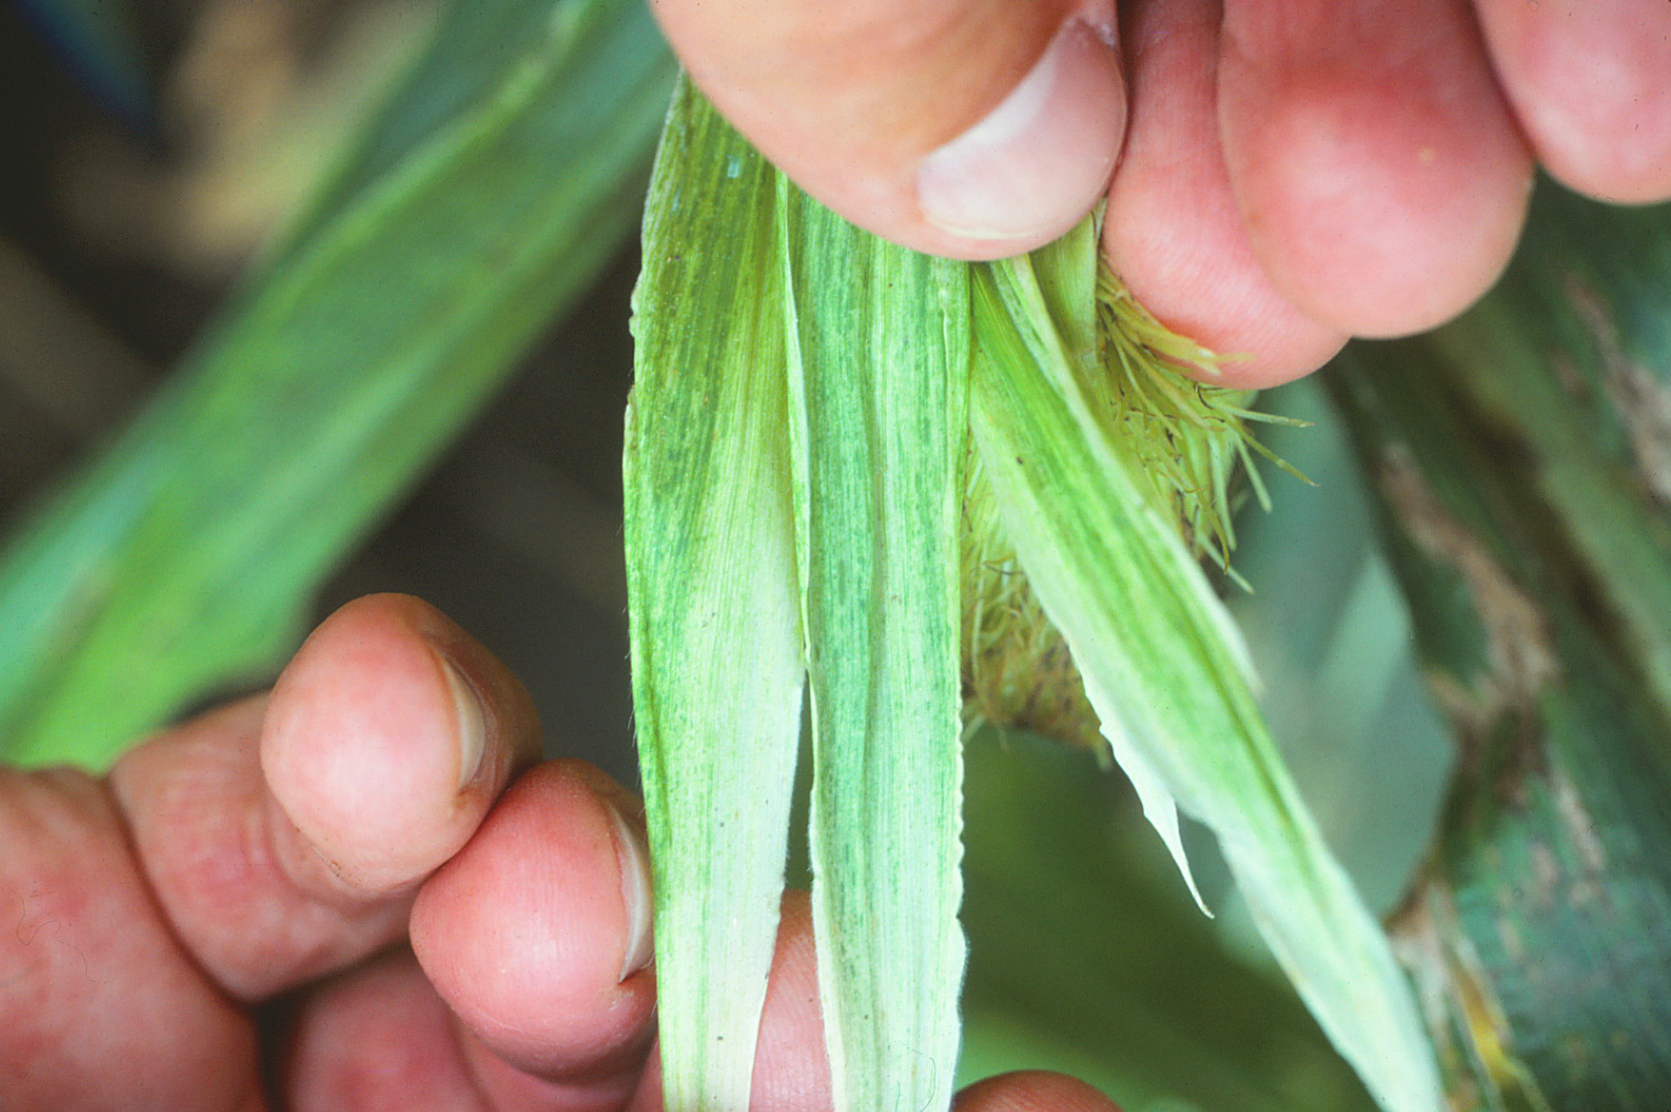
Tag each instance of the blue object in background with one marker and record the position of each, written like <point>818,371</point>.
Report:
<point>98,44</point>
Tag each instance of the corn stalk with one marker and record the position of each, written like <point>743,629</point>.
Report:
<point>1521,458</point>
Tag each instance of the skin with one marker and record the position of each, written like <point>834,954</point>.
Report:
<point>292,902</point>
<point>1280,174</point>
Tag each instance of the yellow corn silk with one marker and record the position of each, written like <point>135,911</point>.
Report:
<point>1188,439</point>
<point>1017,670</point>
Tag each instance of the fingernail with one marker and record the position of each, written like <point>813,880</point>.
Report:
<point>1038,162</point>
<point>634,858</point>
<point>471,723</point>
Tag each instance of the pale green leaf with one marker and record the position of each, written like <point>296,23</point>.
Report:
<point>1063,298</point>
<point>1159,658</point>
<point>879,367</point>
<point>711,577</point>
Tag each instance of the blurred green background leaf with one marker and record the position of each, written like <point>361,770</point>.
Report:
<point>187,556</point>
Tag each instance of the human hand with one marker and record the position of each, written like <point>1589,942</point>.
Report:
<point>360,892</point>
<point>1292,172</point>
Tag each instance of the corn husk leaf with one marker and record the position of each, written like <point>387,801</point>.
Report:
<point>1062,289</point>
<point>879,371</point>
<point>1163,669</point>
<point>877,340</point>
<point>714,595</point>
<point>794,462</point>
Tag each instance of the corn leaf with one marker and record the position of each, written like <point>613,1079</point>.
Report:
<point>1160,661</point>
<point>879,369</point>
<point>186,557</point>
<point>712,582</point>
<point>478,49</point>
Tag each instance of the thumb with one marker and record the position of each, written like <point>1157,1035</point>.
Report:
<point>967,128</point>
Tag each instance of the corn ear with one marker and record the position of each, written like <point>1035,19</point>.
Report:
<point>878,349</point>
<point>1017,670</point>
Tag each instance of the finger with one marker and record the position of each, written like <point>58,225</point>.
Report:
<point>99,1009</point>
<point>968,128</point>
<point>380,749</point>
<point>377,1039</point>
<point>1380,175</point>
<point>537,934</point>
<point>528,957</point>
<point>388,737</point>
<point>1591,85</point>
<point>791,1070</point>
<point>1172,230</point>
<point>1032,1091</point>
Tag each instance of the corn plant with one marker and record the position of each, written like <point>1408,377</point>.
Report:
<point>811,406</point>
<point>901,498</point>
